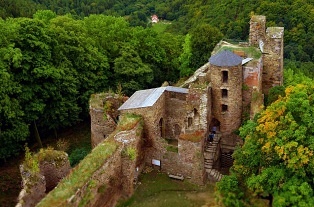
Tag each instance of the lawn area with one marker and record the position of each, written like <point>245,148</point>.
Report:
<point>157,190</point>
<point>161,26</point>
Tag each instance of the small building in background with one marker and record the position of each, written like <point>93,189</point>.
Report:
<point>155,18</point>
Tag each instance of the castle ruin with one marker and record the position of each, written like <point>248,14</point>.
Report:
<point>220,95</point>
<point>177,121</point>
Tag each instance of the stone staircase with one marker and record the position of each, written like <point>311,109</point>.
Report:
<point>209,159</point>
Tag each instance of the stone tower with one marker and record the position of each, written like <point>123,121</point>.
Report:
<point>270,41</point>
<point>273,58</point>
<point>226,80</point>
<point>257,30</point>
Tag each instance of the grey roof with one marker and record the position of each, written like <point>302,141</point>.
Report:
<point>146,98</point>
<point>177,89</point>
<point>225,58</point>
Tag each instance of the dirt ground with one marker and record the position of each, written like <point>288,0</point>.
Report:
<point>10,182</point>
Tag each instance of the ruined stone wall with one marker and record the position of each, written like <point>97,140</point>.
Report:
<point>188,162</point>
<point>273,58</point>
<point>53,166</point>
<point>252,78</point>
<point>54,171</point>
<point>104,115</point>
<point>199,109</point>
<point>230,116</point>
<point>108,183</point>
<point>257,30</point>
<point>34,188</point>
<point>175,111</point>
<point>101,128</point>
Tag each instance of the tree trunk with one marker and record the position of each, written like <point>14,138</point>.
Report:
<point>55,132</point>
<point>37,136</point>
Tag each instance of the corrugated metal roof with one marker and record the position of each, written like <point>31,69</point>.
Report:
<point>225,58</point>
<point>146,98</point>
<point>246,60</point>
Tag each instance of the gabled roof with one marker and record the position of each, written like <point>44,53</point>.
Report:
<point>225,58</point>
<point>146,98</point>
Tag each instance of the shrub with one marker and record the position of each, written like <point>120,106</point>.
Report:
<point>78,154</point>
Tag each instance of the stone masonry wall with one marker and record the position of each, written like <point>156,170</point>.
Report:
<point>252,78</point>
<point>53,166</point>
<point>273,58</point>
<point>175,114</point>
<point>34,188</point>
<point>257,30</point>
<point>230,119</point>
<point>100,128</point>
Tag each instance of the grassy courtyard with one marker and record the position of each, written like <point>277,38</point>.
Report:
<point>157,189</point>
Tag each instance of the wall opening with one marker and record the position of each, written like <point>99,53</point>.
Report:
<point>196,117</point>
<point>190,121</point>
<point>225,76</point>
<point>214,123</point>
<point>177,130</point>
<point>161,127</point>
<point>224,107</point>
<point>224,93</point>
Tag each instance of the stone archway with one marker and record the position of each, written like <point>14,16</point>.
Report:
<point>214,122</point>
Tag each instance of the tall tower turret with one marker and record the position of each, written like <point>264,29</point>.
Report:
<point>273,58</point>
<point>226,82</point>
<point>257,30</point>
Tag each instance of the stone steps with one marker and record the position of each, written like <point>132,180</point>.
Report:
<point>209,156</point>
<point>214,174</point>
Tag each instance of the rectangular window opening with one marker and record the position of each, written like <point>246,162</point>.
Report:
<point>225,76</point>
<point>224,107</point>
<point>224,93</point>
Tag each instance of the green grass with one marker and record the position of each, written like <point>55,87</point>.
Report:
<point>250,51</point>
<point>160,27</point>
<point>158,190</point>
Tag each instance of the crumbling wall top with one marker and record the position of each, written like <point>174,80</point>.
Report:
<point>258,18</point>
<point>275,32</point>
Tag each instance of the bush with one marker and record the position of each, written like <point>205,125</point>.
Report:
<point>78,154</point>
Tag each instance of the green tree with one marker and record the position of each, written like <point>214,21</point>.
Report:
<point>203,40</point>
<point>185,57</point>
<point>131,72</point>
